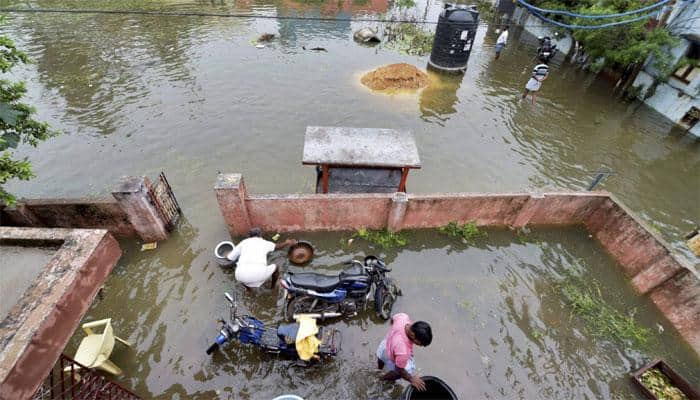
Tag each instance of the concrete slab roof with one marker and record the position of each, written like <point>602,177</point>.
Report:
<point>360,147</point>
<point>37,328</point>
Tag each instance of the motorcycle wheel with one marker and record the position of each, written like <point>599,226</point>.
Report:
<point>384,298</point>
<point>298,305</point>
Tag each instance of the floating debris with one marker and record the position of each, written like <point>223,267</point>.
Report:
<point>259,46</point>
<point>366,35</point>
<point>266,37</point>
<point>149,246</point>
<point>395,76</point>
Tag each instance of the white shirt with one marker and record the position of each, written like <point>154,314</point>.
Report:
<point>502,38</point>
<point>252,251</point>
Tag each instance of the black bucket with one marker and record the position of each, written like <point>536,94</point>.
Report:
<point>435,389</point>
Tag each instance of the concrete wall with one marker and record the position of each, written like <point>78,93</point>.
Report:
<point>647,260</point>
<point>38,327</point>
<point>668,100</point>
<point>131,212</point>
<point>69,213</point>
<point>642,255</point>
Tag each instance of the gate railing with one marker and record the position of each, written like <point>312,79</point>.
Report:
<point>70,380</point>
<point>165,201</point>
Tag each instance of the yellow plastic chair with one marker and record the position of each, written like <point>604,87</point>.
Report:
<point>95,348</point>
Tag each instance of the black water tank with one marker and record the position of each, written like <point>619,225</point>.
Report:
<point>454,37</point>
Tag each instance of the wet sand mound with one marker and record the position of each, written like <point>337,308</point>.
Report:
<point>395,76</point>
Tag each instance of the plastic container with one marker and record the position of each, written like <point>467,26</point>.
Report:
<point>435,389</point>
<point>454,37</point>
<point>222,251</point>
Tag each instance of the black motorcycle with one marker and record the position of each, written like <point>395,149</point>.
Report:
<point>271,339</point>
<point>547,49</point>
<point>329,295</point>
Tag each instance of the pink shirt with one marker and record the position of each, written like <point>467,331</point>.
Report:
<point>399,347</point>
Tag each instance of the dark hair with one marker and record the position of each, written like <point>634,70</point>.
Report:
<point>423,332</point>
<point>255,232</point>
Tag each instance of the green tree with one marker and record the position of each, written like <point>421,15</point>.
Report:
<point>16,122</point>
<point>622,45</point>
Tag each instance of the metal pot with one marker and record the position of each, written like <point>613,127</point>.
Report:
<point>222,252</point>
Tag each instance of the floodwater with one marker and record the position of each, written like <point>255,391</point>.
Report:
<point>192,96</point>
<point>502,329</point>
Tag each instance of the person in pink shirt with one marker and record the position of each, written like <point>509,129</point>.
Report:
<point>395,352</point>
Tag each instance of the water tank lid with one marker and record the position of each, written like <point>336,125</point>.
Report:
<point>461,14</point>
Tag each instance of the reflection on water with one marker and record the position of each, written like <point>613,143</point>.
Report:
<point>439,100</point>
<point>501,326</point>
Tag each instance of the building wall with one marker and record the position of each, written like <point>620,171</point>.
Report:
<point>668,100</point>
<point>674,98</point>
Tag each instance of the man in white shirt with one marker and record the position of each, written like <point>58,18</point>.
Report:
<point>252,269</point>
<point>501,41</point>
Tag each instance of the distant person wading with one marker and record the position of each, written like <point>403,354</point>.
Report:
<point>539,74</point>
<point>501,42</point>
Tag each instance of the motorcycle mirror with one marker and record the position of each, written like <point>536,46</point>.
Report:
<point>229,297</point>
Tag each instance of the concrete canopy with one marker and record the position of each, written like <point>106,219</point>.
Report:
<point>37,328</point>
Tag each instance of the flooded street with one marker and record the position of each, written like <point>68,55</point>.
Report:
<point>192,96</point>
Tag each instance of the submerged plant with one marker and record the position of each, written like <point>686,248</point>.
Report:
<point>383,238</point>
<point>408,38</point>
<point>601,320</point>
<point>468,232</point>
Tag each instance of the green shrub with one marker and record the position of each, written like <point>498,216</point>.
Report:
<point>468,232</point>
<point>383,238</point>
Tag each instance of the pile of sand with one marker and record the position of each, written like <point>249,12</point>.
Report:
<point>395,76</point>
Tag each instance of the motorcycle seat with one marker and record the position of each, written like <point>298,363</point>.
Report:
<point>318,282</point>
<point>353,272</point>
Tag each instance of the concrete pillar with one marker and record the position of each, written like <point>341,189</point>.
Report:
<point>399,204</point>
<point>231,194</point>
<point>528,210</point>
<point>132,194</point>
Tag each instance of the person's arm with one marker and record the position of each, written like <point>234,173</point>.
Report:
<point>288,242</point>
<point>415,380</point>
<point>235,254</point>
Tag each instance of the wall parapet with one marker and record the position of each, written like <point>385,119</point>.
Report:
<point>643,256</point>
<point>132,211</point>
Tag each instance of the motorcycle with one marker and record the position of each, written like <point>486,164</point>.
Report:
<point>341,294</point>
<point>272,340</point>
<point>547,49</point>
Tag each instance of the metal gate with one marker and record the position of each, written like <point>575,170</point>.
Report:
<point>70,380</point>
<point>165,201</point>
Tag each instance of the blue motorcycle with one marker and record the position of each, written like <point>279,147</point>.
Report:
<point>272,340</point>
<point>344,294</point>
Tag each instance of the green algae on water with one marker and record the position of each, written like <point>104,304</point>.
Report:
<point>601,320</point>
<point>383,238</point>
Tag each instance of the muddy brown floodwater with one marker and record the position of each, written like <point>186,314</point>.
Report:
<point>137,94</point>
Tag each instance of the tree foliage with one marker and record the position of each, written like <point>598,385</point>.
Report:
<point>622,45</point>
<point>16,123</point>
